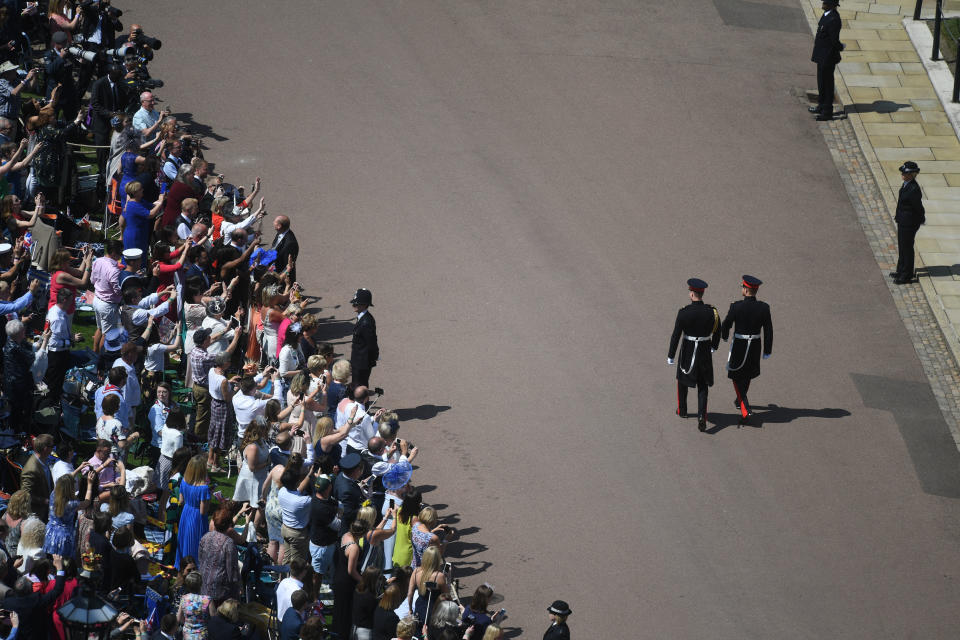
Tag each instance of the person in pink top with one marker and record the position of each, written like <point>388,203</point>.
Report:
<point>107,300</point>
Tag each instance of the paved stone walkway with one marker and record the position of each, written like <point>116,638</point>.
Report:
<point>894,115</point>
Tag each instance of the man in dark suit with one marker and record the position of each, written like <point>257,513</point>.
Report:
<point>346,489</point>
<point>826,53</point>
<point>108,95</point>
<point>747,318</point>
<point>364,350</point>
<point>31,606</point>
<point>699,325</point>
<point>59,68</point>
<point>285,244</point>
<point>910,215</point>
<point>36,476</point>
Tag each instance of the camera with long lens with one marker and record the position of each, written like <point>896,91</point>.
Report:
<point>102,7</point>
<point>143,40</point>
<point>80,53</point>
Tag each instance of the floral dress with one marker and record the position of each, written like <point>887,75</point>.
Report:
<point>196,614</point>
<point>61,537</point>
<point>219,566</point>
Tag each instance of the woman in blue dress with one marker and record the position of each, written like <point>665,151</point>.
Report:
<point>195,498</point>
<point>130,163</point>
<point>138,217</point>
<point>61,536</point>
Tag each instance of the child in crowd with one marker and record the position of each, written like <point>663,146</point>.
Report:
<point>110,428</point>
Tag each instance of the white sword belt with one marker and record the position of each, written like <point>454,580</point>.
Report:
<point>693,358</point>
<point>746,351</point>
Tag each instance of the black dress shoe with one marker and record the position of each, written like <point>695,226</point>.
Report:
<point>702,424</point>
<point>813,109</point>
<point>682,414</point>
<point>824,118</point>
<point>903,280</point>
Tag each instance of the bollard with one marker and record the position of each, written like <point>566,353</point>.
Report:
<point>956,75</point>
<point>937,18</point>
<point>916,10</point>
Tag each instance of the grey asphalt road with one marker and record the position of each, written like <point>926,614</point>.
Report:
<point>525,186</point>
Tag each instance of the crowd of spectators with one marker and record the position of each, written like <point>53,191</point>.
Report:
<point>208,365</point>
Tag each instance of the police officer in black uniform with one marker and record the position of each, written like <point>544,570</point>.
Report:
<point>699,325</point>
<point>364,351</point>
<point>826,53</point>
<point>747,318</point>
<point>910,215</point>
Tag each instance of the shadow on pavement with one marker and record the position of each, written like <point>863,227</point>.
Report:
<point>331,329</point>
<point>512,632</point>
<point>877,106</point>
<point>467,569</point>
<point>186,118</point>
<point>930,444</point>
<point>772,414</point>
<point>422,412</point>
<point>939,270</point>
<point>461,549</point>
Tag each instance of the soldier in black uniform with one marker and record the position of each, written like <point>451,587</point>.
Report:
<point>826,53</point>
<point>699,324</point>
<point>910,215</point>
<point>747,317</point>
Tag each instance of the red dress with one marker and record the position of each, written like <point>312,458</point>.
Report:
<point>176,194</point>
<point>55,287</point>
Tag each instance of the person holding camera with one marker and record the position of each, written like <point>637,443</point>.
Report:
<point>31,606</point>
<point>59,68</point>
<point>108,95</point>
<point>11,86</point>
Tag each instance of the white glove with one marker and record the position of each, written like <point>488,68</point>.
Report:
<point>712,350</point>
<point>670,361</point>
<point>767,355</point>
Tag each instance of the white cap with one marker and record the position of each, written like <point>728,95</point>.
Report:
<point>133,254</point>
<point>115,337</point>
<point>5,247</point>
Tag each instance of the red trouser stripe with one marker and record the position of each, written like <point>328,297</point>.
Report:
<point>743,405</point>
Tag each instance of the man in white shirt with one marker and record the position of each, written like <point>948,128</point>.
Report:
<point>241,219</point>
<point>299,571</point>
<point>188,215</point>
<point>146,119</point>
<point>58,348</point>
<point>172,166</point>
<point>365,426</point>
<point>129,354</point>
<point>294,499</point>
<point>250,403</point>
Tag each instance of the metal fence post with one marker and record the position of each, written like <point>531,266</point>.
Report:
<point>937,18</point>
<point>916,10</point>
<point>956,75</point>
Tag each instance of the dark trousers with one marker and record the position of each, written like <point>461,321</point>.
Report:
<point>825,87</point>
<point>102,138</point>
<point>361,378</point>
<point>905,237</point>
<point>702,391</point>
<point>21,409</point>
<point>57,364</point>
<point>741,387</point>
